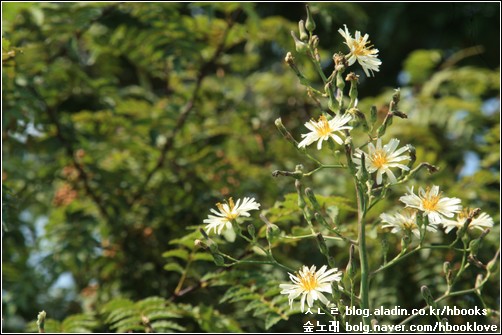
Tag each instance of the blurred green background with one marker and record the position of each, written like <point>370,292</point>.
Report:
<point>123,123</point>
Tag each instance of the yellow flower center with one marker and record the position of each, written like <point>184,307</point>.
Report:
<point>323,128</point>
<point>409,225</point>
<point>430,202</point>
<point>308,281</point>
<point>379,159</point>
<point>228,214</point>
<point>360,48</point>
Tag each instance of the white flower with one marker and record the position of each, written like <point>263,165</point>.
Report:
<point>406,221</point>
<point>481,222</point>
<point>361,51</point>
<point>229,212</point>
<point>323,129</point>
<point>310,284</point>
<point>382,159</point>
<point>432,203</point>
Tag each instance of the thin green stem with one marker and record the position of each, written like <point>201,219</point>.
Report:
<point>363,256</point>
<point>332,166</point>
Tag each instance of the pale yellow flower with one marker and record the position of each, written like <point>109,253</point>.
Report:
<point>381,159</point>
<point>325,129</point>
<point>228,212</point>
<point>405,221</point>
<point>481,222</point>
<point>430,201</point>
<point>362,51</point>
<point>310,285</point>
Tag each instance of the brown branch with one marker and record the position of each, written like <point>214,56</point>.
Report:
<point>82,175</point>
<point>183,116</point>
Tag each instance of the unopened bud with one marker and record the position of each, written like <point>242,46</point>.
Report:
<point>289,58</point>
<point>474,247</point>
<point>400,114</point>
<point>314,41</point>
<point>426,294</point>
<point>310,24</point>
<point>199,244</point>
<point>396,97</point>
<point>218,259</point>
<point>374,114</point>
<point>41,321</point>
<point>273,232</point>
<point>413,155</point>
<point>352,262</point>
<point>251,230</point>
<point>364,172</point>
<point>299,45</point>
<point>303,34</point>
<point>285,133</point>
<point>322,244</point>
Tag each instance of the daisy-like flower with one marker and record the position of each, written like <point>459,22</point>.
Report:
<point>362,51</point>
<point>310,285</point>
<point>432,203</point>
<point>323,130</point>
<point>383,159</point>
<point>481,222</point>
<point>406,222</point>
<point>228,212</point>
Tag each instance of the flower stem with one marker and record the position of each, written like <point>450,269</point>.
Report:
<point>363,256</point>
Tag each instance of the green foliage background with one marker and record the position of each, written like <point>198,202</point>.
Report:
<point>123,123</point>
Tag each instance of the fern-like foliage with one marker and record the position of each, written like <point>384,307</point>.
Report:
<point>77,323</point>
<point>256,292</point>
<point>153,314</point>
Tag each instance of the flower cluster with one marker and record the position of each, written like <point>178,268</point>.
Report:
<point>437,209</point>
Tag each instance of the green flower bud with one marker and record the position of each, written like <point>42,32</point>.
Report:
<point>218,259</point>
<point>396,97</point>
<point>41,321</point>
<point>273,232</point>
<point>364,172</point>
<point>303,34</point>
<point>426,294</point>
<point>251,230</point>
<point>299,45</point>
<point>285,133</point>
<point>413,155</point>
<point>374,114</point>
<point>310,24</point>
<point>351,267</point>
<point>322,244</point>
<point>474,247</point>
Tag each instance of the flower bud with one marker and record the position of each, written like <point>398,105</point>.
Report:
<point>374,114</point>
<point>310,24</point>
<point>273,232</point>
<point>252,230</point>
<point>41,321</point>
<point>303,34</point>
<point>426,294</point>
<point>413,155</point>
<point>364,172</point>
<point>218,259</point>
<point>299,45</point>
<point>322,244</point>
<point>314,41</point>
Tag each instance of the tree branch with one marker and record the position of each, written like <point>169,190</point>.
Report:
<point>183,116</point>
